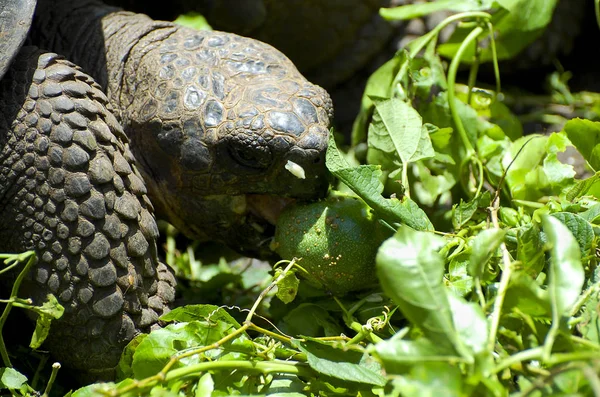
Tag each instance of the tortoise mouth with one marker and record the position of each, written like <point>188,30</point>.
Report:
<point>267,207</point>
<point>255,227</point>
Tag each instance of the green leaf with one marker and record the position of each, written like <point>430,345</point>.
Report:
<point>11,379</point>
<point>100,389</point>
<point>199,312</point>
<point>470,323</point>
<point>156,349</point>
<point>590,324</point>
<point>365,181</point>
<point>509,216</point>
<point>457,278</point>
<point>524,177</point>
<point>516,25</point>
<point>205,386</point>
<point>49,311</point>
<point>162,391</point>
<point>397,130</point>
<point>566,270</point>
<point>287,287</point>
<point>51,308</point>
<point>286,387</point>
<point>592,214</point>
<point>193,20</point>
<point>440,137</point>
<point>585,135</point>
<point>580,228</point>
<point>428,188</point>
<point>501,115</point>
<point>342,364</point>
<point>463,212</point>
<point>583,187</point>
<point>484,247</point>
<point>530,249</point>
<point>528,15</point>
<point>397,353</point>
<point>378,85</point>
<point>42,329</point>
<point>429,379</point>
<point>418,10</point>
<point>410,272</point>
<point>311,320</point>
<point>124,369</point>
<point>527,296</point>
<point>559,176</point>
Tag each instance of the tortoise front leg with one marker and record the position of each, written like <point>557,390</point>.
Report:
<point>70,190</point>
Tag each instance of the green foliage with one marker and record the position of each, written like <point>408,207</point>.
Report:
<point>489,285</point>
<point>193,20</point>
<point>411,272</point>
<point>585,135</point>
<point>11,379</point>
<point>345,364</point>
<point>365,181</point>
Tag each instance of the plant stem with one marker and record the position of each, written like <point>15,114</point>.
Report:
<point>55,368</point>
<point>452,72</point>
<point>584,297</point>
<point>504,280</point>
<point>264,367</point>
<point>494,58</point>
<point>473,72</point>
<point>597,10</point>
<point>519,357</point>
<point>417,45</point>
<point>13,296</point>
<point>423,40</point>
<point>269,288</point>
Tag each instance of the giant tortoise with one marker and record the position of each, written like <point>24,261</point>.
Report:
<point>197,125</point>
<point>106,116</point>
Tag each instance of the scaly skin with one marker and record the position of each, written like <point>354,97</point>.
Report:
<point>328,40</point>
<point>213,117</point>
<point>70,190</point>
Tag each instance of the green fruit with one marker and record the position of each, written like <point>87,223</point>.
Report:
<point>337,240</point>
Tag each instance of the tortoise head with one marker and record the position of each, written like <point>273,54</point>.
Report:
<point>227,131</point>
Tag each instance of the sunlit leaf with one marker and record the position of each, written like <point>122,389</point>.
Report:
<point>348,365</point>
<point>410,272</point>
<point>484,247</point>
<point>11,379</point>
<point>566,273</point>
<point>365,182</point>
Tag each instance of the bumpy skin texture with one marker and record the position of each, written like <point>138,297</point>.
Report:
<point>69,190</point>
<point>328,40</point>
<point>213,117</point>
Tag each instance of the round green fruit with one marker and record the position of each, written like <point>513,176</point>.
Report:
<point>337,240</point>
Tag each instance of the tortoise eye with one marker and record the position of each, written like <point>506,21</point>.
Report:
<point>256,158</point>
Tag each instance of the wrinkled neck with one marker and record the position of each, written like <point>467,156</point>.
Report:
<point>74,29</point>
<point>100,39</point>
